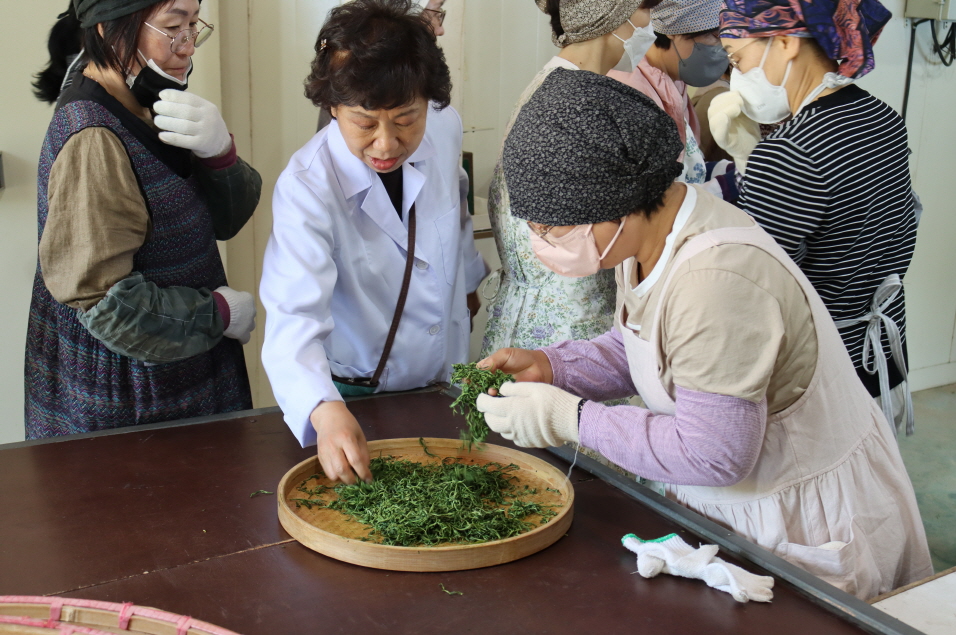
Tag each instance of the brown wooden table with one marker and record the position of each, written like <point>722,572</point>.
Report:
<point>161,516</point>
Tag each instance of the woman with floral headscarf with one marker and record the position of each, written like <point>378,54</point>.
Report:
<point>529,305</point>
<point>832,184</point>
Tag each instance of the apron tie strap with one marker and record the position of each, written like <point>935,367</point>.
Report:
<point>873,353</point>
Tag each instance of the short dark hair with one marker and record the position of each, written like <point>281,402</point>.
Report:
<point>377,54</point>
<point>115,49</point>
<point>554,10</point>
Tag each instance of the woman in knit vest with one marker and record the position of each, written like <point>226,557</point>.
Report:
<point>132,320</point>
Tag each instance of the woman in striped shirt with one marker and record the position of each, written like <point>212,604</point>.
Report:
<point>832,184</point>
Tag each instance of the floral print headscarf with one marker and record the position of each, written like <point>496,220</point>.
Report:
<point>845,29</point>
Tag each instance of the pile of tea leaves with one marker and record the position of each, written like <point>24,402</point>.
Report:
<point>474,381</point>
<point>412,504</point>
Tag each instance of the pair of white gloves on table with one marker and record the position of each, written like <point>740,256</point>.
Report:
<point>672,555</point>
<point>732,130</point>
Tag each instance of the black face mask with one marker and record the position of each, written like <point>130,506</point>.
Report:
<point>147,85</point>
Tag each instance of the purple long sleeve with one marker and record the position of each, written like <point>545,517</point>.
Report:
<point>593,369</point>
<point>711,440</point>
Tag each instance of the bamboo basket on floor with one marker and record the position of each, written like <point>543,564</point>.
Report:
<point>333,534</point>
<point>33,615</point>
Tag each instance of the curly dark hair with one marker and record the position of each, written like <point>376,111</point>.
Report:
<point>379,55</point>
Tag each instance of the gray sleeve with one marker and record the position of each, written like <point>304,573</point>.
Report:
<point>141,320</point>
<point>231,193</point>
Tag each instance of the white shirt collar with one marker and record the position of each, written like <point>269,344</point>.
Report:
<point>683,214</point>
<point>560,62</point>
<point>352,173</point>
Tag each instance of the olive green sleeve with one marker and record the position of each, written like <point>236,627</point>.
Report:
<point>232,194</point>
<point>152,324</point>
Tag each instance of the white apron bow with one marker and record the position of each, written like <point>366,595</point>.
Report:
<point>884,296</point>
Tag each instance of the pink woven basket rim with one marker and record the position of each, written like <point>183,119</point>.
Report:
<point>182,622</point>
<point>62,628</point>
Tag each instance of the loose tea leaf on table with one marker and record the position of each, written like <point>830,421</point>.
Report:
<point>473,381</point>
<point>426,504</point>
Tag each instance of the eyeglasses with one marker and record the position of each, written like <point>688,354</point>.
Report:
<point>735,63</point>
<point>439,15</point>
<point>179,41</point>
<point>541,231</point>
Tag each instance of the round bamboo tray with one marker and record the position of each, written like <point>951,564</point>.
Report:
<point>32,615</point>
<point>331,533</point>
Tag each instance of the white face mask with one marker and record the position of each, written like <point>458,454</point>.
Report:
<point>635,47</point>
<point>763,102</point>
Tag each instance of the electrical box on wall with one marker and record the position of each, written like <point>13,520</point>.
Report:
<point>930,9</point>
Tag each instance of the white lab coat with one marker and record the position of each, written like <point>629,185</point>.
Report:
<point>334,264</point>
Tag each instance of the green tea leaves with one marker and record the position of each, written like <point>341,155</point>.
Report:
<point>473,381</point>
<point>426,504</point>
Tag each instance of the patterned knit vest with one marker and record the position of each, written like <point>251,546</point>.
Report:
<point>73,382</point>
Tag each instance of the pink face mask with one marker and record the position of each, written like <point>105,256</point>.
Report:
<point>575,254</point>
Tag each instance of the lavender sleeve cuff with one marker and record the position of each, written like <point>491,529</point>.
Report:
<point>711,440</point>
<point>594,369</point>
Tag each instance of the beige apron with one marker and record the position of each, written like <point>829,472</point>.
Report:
<point>829,491</point>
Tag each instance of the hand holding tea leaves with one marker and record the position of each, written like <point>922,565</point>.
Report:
<point>474,381</point>
<point>520,363</point>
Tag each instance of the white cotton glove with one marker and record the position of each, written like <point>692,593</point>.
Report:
<point>242,313</point>
<point>532,415</point>
<point>733,131</point>
<point>189,121</point>
<point>672,555</point>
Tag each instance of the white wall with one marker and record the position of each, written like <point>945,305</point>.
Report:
<point>930,284</point>
<point>24,123</point>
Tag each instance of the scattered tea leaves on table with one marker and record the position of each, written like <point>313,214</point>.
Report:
<point>442,584</point>
<point>426,504</point>
<point>474,381</point>
<point>261,492</point>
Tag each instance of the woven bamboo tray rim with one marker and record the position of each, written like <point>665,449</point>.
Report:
<point>28,614</point>
<point>328,541</point>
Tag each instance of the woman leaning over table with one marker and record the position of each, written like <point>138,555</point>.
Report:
<point>132,320</point>
<point>754,415</point>
<point>386,169</point>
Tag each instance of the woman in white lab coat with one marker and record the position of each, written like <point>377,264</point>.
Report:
<point>343,209</point>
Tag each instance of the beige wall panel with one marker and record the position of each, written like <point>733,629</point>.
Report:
<point>930,284</point>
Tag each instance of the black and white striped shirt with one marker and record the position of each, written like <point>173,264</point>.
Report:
<point>833,187</point>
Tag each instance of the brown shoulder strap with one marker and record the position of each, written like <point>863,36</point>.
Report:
<point>396,318</point>
<point>403,294</point>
